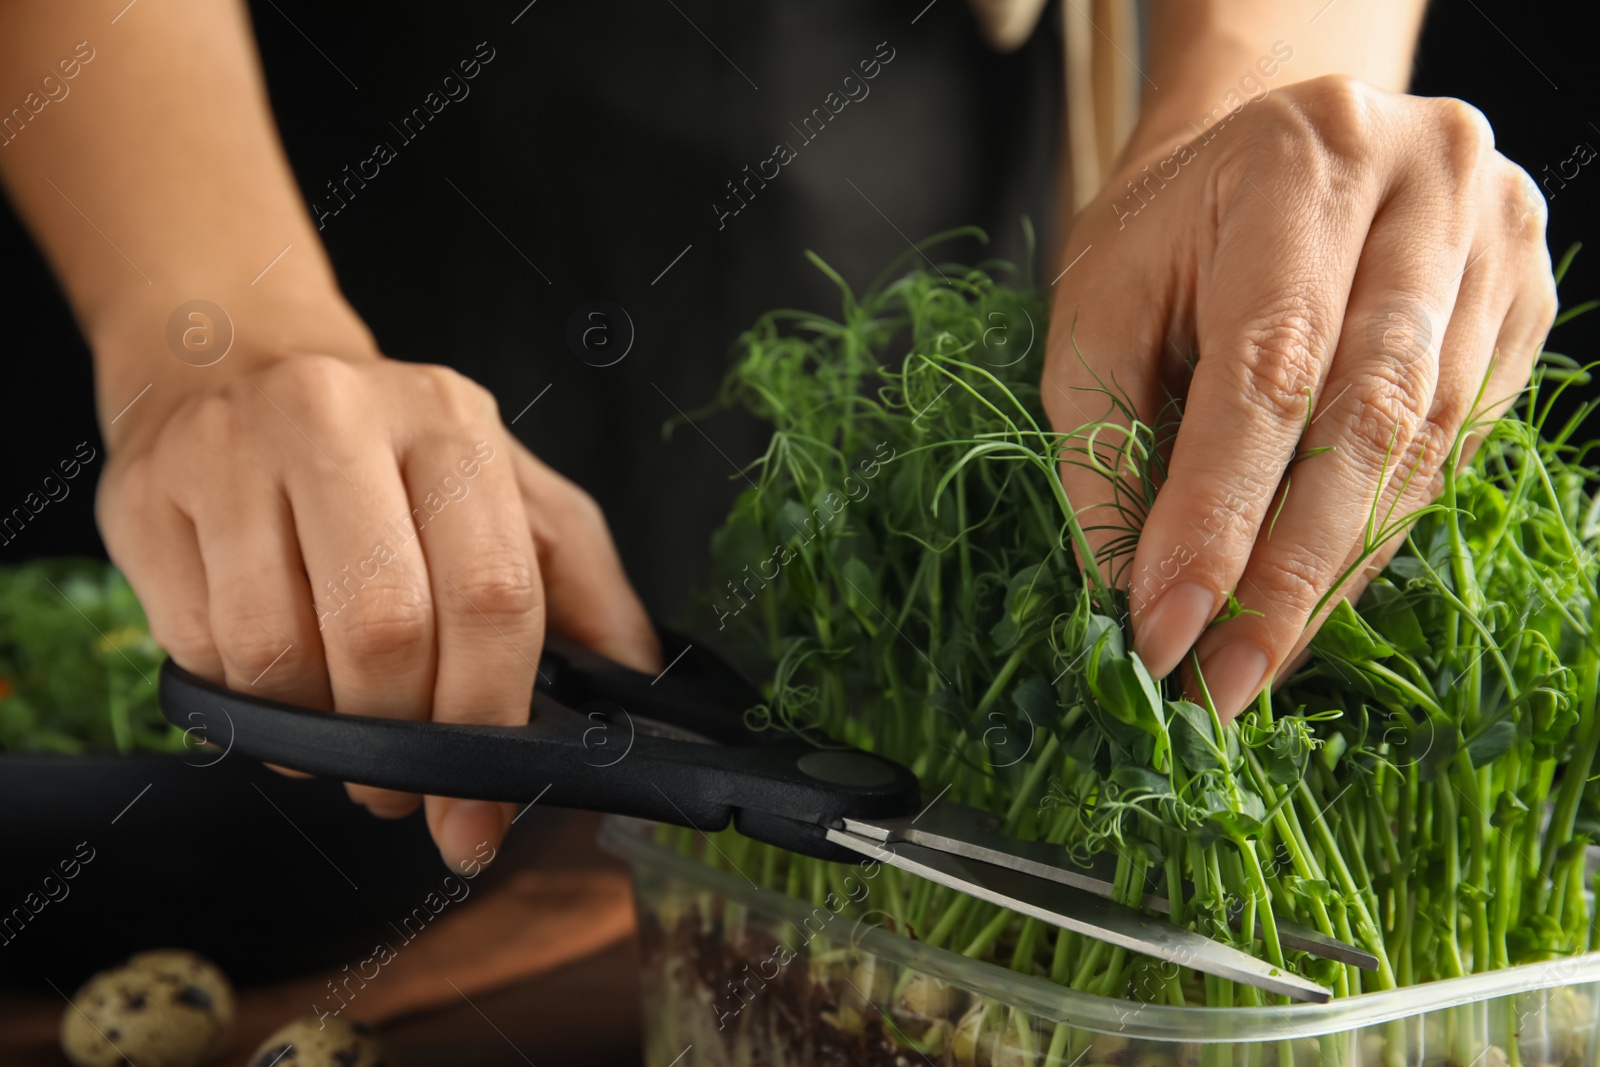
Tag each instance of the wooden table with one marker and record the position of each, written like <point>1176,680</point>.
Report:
<point>586,1011</point>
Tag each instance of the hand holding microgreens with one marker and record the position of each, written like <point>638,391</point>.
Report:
<point>1390,794</point>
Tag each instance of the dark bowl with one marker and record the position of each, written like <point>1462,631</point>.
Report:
<point>268,876</point>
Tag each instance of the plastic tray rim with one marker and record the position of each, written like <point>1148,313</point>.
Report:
<point>630,839</point>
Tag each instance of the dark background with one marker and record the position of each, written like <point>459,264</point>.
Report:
<point>595,142</point>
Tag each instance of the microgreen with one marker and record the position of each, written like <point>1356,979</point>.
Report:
<point>1387,794</point>
<point>77,665</point>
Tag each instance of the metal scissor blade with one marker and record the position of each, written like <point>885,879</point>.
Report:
<point>1085,913</point>
<point>964,831</point>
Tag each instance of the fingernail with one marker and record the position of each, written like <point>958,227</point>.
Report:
<point>466,825</point>
<point>1172,625</point>
<point>1234,674</point>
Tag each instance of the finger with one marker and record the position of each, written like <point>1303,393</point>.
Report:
<point>366,570</point>
<point>1376,399</point>
<point>260,602</point>
<point>153,543</point>
<point>1111,368</point>
<point>1533,310</point>
<point>587,594</point>
<point>1411,487</point>
<point>1484,383</point>
<point>488,605</point>
<point>1270,308</point>
<point>1386,379</point>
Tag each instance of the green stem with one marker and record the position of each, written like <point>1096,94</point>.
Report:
<point>1574,777</point>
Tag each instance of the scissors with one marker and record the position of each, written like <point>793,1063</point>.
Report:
<point>676,748</point>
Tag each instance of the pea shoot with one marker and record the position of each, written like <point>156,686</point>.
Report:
<point>1393,793</point>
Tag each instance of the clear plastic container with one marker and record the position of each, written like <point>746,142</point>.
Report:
<point>747,975</point>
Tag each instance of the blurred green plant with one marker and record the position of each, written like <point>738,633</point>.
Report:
<point>77,665</point>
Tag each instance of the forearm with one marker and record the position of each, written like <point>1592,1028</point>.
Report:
<point>1208,55</point>
<point>154,176</point>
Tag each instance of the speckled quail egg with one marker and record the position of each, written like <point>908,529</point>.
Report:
<point>167,1008</point>
<point>320,1041</point>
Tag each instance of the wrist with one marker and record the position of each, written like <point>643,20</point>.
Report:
<point>1199,97</point>
<point>159,346</point>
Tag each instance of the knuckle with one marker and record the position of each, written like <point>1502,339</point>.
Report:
<point>248,638</point>
<point>501,588</point>
<point>1430,450</point>
<point>185,632</point>
<point>1291,578</point>
<point>1419,476</point>
<point>1451,409</point>
<point>458,399</point>
<point>315,388</point>
<point>1277,370</point>
<point>131,483</point>
<point>1341,101</point>
<point>310,376</point>
<point>387,625</point>
<point>1389,407</point>
<point>586,512</point>
<point>1526,206</point>
<point>1322,132</point>
<point>1467,133</point>
<point>1340,113</point>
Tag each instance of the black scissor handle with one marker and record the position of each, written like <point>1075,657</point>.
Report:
<point>697,693</point>
<point>786,791</point>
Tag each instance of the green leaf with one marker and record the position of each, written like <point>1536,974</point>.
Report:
<point>1344,636</point>
<point>1102,631</point>
<point>1027,593</point>
<point>1388,611</point>
<point>1074,640</point>
<point>1537,937</point>
<point>1194,737</point>
<point>1332,750</point>
<point>1113,684</point>
<point>1005,633</point>
<point>1126,691</point>
<point>801,583</point>
<point>1429,741</point>
<point>1037,699</point>
<point>1310,890</point>
<point>1554,717</point>
<point>1134,779</point>
<point>943,700</point>
<point>859,589</point>
<point>1508,810</point>
<point>1492,742</point>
